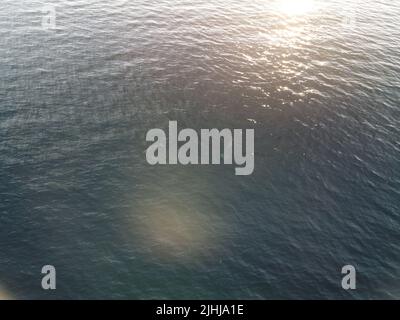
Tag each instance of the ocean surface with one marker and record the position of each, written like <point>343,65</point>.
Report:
<point>319,81</point>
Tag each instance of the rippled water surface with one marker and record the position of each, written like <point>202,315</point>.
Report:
<point>318,80</point>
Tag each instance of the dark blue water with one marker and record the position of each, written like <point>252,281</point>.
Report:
<point>319,82</point>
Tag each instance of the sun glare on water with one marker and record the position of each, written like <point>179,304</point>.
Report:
<point>295,7</point>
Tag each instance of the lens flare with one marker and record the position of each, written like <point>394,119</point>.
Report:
<point>5,295</point>
<point>174,230</point>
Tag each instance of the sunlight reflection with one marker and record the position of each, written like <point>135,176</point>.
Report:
<point>295,7</point>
